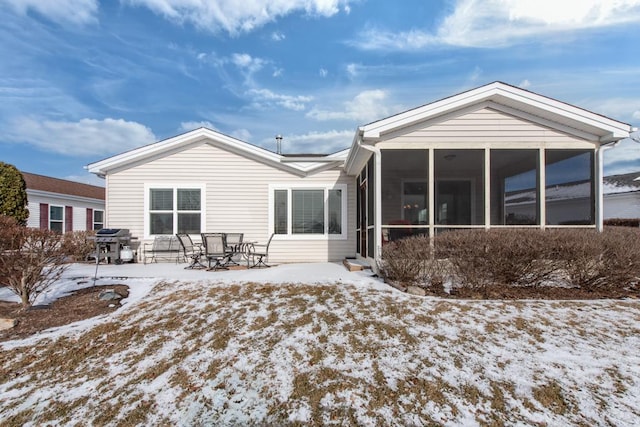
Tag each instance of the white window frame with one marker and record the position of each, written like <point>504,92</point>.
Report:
<point>63,218</point>
<point>325,187</point>
<point>175,187</point>
<point>93,220</point>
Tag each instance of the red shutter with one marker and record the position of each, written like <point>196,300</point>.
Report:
<point>68,218</point>
<point>89,219</point>
<point>44,216</point>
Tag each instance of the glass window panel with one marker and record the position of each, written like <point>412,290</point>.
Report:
<point>370,191</point>
<point>335,211</point>
<point>188,199</point>
<point>415,202</point>
<point>404,178</point>
<point>514,187</point>
<point>55,213</point>
<point>370,242</point>
<point>459,176</point>
<point>161,223</point>
<point>569,187</point>
<point>161,199</point>
<point>308,211</point>
<point>281,212</point>
<point>98,216</point>
<point>56,226</point>
<point>189,223</point>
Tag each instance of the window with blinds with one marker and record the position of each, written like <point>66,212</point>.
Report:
<point>309,211</point>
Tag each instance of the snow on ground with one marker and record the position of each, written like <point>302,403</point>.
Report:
<point>313,343</point>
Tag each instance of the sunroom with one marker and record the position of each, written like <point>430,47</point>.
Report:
<point>496,156</point>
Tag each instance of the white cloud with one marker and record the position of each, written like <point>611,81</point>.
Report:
<point>352,70</point>
<point>277,36</point>
<point>366,106</point>
<point>636,115</point>
<point>63,11</point>
<point>264,97</point>
<point>247,62</point>
<point>241,134</point>
<point>277,72</point>
<point>323,72</point>
<point>525,84</point>
<point>315,142</point>
<point>235,16</point>
<point>81,138</point>
<point>191,125</point>
<point>496,23</point>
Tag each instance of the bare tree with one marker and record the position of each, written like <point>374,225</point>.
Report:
<point>31,260</point>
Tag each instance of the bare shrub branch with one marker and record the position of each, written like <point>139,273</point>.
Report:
<point>32,260</point>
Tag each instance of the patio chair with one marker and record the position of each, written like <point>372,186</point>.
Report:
<point>216,251</point>
<point>260,251</point>
<point>234,245</point>
<point>191,250</point>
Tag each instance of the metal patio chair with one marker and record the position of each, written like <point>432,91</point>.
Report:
<point>260,251</point>
<point>216,251</point>
<point>234,245</point>
<point>191,250</point>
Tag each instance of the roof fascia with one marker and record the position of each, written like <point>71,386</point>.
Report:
<point>160,149</point>
<point>497,91</point>
<point>62,196</point>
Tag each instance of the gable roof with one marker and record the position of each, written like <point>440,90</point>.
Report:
<point>299,165</point>
<point>499,96</point>
<point>62,186</point>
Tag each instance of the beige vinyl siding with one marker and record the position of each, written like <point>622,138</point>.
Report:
<point>482,128</point>
<point>236,197</point>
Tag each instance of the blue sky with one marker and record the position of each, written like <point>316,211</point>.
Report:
<point>81,80</point>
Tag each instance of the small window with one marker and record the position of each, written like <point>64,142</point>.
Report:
<point>98,220</point>
<point>56,218</point>
<point>280,212</point>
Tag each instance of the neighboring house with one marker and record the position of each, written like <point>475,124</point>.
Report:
<point>449,164</point>
<point>622,196</point>
<point>621,199</point>
<point>61,205</point>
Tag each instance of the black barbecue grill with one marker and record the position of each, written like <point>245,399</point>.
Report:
<point>110,241</point>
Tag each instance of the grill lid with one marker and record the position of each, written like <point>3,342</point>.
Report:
<point>112,232</point>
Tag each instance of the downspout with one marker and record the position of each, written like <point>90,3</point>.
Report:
<point>600,184</point>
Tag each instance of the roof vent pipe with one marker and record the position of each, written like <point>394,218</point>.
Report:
<point>279,144</point>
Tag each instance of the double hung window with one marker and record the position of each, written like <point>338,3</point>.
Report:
<point>174,210</point>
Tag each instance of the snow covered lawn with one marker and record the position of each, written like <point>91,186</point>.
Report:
<point>246,348</point>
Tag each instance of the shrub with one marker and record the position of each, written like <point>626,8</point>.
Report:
<point>499,256</point>
<point>402,260</point>
<point>622,222</point>
<point>31,260</point>
<point>599,261</point>
<point>13,193</point>
<point>77,245</point>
